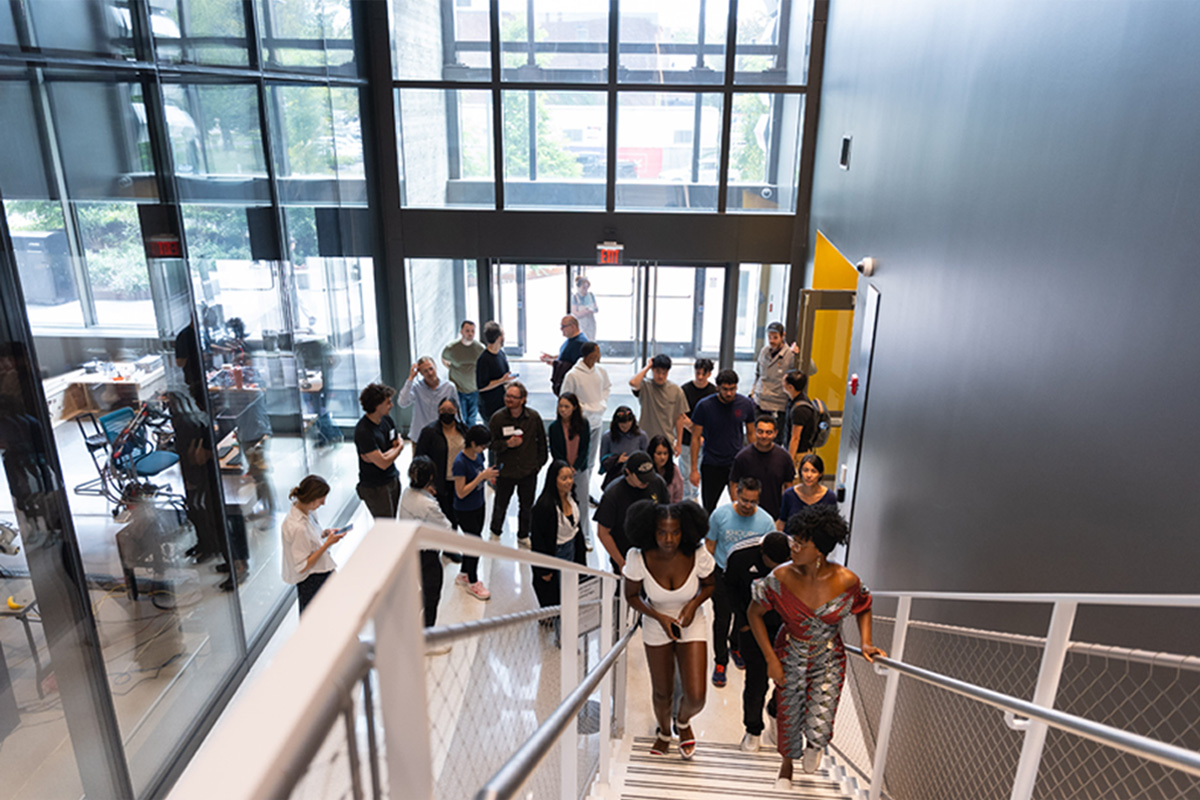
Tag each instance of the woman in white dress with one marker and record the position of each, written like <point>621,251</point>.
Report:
<point>668,575</point>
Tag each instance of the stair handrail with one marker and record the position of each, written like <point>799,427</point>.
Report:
<point>1168,755</point>
<point>509,779</point>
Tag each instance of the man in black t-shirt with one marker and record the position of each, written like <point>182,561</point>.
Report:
<point>694,390</point>
<point>378,445</point>
<point>766,461</point>
<point>801,419</point>
<point>491,371</point>
<point>640,482</point>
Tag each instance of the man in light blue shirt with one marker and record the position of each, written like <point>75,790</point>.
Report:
<point>728,526</point>
<point>425,395</point>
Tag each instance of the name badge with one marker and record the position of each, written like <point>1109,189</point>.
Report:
<point>511,430</point>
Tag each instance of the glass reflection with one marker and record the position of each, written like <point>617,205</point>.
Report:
<point>668,150</point>
<point>664,41</point>
<point>764,152</point>
<point>451,166</point>
<point>554,40</point>
<point>555,149</point>
<point>772,41</point>
<point>200,31</point>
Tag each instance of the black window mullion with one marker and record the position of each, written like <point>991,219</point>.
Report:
<point>610,167</point>
<point>497,107</point>
<point>727,107</point>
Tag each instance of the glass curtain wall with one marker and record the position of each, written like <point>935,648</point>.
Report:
<point>597,113</point>
<point>187,314</point>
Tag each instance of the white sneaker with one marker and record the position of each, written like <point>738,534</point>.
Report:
<point>590,546</point>
<point>751,743</point>
<point>478,591</point>
<point>461,580</point>
<point>812,760</point>
<point>783,784</point>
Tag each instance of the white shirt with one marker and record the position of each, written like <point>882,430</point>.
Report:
<point>592,386</point>
<point>567,528</point>
<point>301,538</point>
<point>420,505</point>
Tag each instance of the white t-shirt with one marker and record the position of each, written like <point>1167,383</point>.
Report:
<point>301,538</point>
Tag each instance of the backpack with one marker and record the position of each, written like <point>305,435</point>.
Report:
<point>819,434</point>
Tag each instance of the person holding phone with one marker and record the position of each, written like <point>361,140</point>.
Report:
<point>668,552</point>
<point>306,560</point>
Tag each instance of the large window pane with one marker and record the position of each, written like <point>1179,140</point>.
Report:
<point>45,263</point>
<point>85,26</point>
<point>761,299</point>
<point>446,148</point>
<point>216,142</point>
<point>435,40</point>
<point>200,32</point>
<point>554,149</point>
<point>102,139</point>
<point>668,150</point>
<point>317,146</point>
<point>772,42</point>
<point>665,41</point>
<point>764,152</point>
<point>563,40</point>
<point>8,31</point>
<point>111,237</point>
<point>293,32</point>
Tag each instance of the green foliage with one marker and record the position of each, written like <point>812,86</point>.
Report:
<point>553,159</point>
<point>112,246</point>
<point>747,160</point>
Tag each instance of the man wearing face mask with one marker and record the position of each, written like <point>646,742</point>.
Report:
<point>425,395</point>
<point>442,440</point>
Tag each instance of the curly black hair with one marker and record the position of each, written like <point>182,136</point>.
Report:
<point>820,524</point>
<point>421,472</point>
<point>641,524</point>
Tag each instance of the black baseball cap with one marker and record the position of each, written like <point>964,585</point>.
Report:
<point>639,463</point>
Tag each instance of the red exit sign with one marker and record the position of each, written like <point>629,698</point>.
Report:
<point>164,247</point>
<point>609,253</point>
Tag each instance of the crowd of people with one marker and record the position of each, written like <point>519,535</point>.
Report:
<point>762,560</point>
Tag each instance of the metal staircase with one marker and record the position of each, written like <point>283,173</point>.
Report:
<point>719,770</point>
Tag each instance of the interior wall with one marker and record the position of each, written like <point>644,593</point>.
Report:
<point>1030,184</point>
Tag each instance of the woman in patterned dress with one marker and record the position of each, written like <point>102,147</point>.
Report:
<point>807,660</point>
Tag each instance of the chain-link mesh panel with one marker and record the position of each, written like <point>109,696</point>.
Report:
<point>857,724</point>
<point>1154,695</point>
<point>486,697</point>
<point>345,756</point>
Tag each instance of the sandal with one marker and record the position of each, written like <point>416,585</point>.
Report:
<point>659,736</point>
<point>687,744</point>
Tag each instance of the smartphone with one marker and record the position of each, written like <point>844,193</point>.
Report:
<point>676,631</point>
<point>344,530</point>
<point>514,374</point>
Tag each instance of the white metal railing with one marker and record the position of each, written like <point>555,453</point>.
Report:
<point>1036,716</point>
<point>270,737</point>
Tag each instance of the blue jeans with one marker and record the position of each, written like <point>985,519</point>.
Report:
<point>470,407</point>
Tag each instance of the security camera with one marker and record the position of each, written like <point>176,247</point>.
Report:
<point>866,266</point>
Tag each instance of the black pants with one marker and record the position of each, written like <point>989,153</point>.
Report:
<point>755,689</point>
<point>431,584</point>
<point>307,588</point>
<point>724,634</point>
<point>381,501</point>
<point>714,479</point>
<point>471,523</point>
<point>526,488</point>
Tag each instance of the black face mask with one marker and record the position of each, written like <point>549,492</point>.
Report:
<point>447,418</point>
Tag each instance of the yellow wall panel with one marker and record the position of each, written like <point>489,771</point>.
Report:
<point>831,340</point>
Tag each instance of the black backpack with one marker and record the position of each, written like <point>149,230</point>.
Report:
<point>818,434</point>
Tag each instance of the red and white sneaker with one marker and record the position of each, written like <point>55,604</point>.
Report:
<point>479,591</point>
<point>461,580</point>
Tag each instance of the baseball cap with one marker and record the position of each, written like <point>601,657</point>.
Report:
<point>776,327</point>
<point>639,463</point>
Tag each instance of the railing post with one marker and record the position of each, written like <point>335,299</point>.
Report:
<point>607,585</point>
<point>903,612</point>
<point>622,662</point>
<point>1053,657</point>
<point>569,628</point>
<point>400,664</point>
